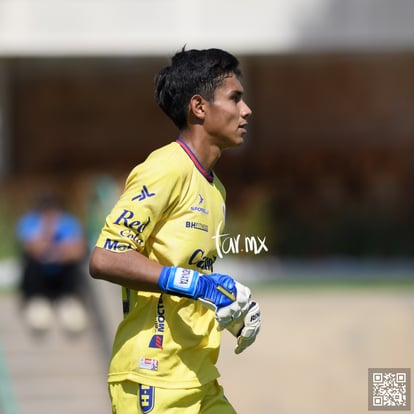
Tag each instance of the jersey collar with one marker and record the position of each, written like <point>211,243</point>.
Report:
<point>207,175</point>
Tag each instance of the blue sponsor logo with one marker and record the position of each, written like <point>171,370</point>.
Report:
<point>126,218</point>
<point>131,235</point>
<point>143,195</point>
<point>156,341</point>
<point>196,226</point>
<point>160,320</point>
<point>198,207</point>
<point>200,260</point>
<point>159,325</point>
<point>146,398</point>
<point>116,246</point>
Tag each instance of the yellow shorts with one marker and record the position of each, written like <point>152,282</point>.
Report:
<point>131,398</point>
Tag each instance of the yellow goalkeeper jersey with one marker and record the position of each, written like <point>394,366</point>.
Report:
<point>170,210</point>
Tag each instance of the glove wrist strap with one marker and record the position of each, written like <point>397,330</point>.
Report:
<point>179,281</point>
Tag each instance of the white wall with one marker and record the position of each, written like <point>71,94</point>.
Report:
<point>148,27</point>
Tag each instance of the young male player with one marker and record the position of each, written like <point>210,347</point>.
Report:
<point>158,244</point>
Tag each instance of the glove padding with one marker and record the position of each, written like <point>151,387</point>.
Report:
<point>221,293</point>
<point>246,329</point>
<point>236,310</point>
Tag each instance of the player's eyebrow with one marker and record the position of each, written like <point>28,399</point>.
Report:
<point>238,94</point>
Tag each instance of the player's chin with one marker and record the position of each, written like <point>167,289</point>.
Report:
<point>240,139</point>
<point>235,143</point>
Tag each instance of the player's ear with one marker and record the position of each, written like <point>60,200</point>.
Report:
<point>197,106</point>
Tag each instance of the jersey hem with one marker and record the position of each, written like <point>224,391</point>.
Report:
<point>156,382</point>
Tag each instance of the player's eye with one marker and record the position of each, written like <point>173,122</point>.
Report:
<point>236,97</point>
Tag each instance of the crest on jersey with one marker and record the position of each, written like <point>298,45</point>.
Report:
<point>146,398</point>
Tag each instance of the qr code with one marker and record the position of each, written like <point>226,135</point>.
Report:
<point>389,389</point>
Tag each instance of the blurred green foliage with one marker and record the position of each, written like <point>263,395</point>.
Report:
<point>8,244</point>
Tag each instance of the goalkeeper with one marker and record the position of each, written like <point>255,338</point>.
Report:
<point>157,243</point>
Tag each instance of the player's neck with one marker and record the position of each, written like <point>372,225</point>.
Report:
<point>206,153</point>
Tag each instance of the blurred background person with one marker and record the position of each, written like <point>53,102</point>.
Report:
<point>53,249</point>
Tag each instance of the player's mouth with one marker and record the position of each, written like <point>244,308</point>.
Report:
<point>243,127</point>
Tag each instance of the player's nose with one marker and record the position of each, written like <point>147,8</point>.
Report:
<point>245,110</point>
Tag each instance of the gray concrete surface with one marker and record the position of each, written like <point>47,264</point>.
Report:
<point>315,347</point>
<point>311,357</point>
<point>53,373</point>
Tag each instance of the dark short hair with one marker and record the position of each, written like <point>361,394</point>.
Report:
<point>192,72</point>
<point>46,200</point>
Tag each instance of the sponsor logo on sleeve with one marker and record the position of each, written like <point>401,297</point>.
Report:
<point>126,219</point>
<point>131,231</point>
<point>116,246</point>
<point>145,193</point>
<point>129,234</point>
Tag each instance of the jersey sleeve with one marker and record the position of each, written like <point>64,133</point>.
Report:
<point>151,190</point>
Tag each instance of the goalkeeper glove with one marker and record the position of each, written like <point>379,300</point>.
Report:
<point>221,293</point>
<point>246,328</point>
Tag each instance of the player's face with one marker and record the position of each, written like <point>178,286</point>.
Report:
<point>226,117</point>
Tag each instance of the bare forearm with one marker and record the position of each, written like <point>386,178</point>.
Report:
<point>130,269</point>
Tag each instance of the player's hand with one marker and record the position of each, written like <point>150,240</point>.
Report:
<point>246,329</point>
<point>236,310</point>
<point>221,293</point>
